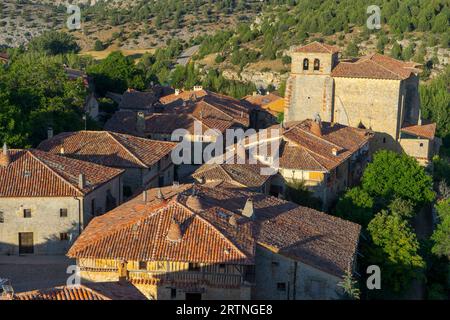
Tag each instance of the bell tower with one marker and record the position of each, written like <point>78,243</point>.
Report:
<point>310,87</point>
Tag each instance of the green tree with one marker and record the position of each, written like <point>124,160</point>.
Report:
<point>349,287</point>
<point>356,205</point>
<point>396,251</point>
<point>397,175</point>
<point>98,45</point>
<point>53,43</point>
<point>396,51</point>
<point>352,50</point>
<point>441,235</point>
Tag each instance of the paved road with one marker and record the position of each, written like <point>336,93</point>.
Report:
<point>34,272</point>
<point>186,55</point>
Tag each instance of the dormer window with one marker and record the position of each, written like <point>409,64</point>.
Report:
<point>316,64</point>
<point>305,64</point>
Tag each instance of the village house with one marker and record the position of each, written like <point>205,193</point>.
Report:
<point>218,241</point>
<point>46,200</point>
<point>375,92</point>
<point>134,100</point>
<point>271,102</point>
<point>146,162</point>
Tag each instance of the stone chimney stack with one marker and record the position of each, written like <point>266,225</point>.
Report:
<point>316,126</point>
<point>249,210</point>
<point>144,196</point>
<point>49,132</point>
<point>5,157</point>
<point>140,122</point>
<point>81,181</point>
<point>62,150</point>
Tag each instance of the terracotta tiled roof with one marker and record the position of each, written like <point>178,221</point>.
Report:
<point>306,151</point>
<point>375,66</point>
<point>138,230</point>
<point>317,47</point>
<point>34,173</point>
<point>424,131</point>
<point>137,100</point>
<point>248,175</point>
<point>109,148</point>
<point>87,291</point>
<point>209,104</point>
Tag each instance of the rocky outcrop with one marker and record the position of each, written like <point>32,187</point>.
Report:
<point>262,79</point>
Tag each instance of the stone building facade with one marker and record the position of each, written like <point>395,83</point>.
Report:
<point>374,92</point>
<point>47,200</point>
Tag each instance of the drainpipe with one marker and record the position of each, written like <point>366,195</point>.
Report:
<point>79,214</point>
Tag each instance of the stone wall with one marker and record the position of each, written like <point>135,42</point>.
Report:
<point>281,278</point>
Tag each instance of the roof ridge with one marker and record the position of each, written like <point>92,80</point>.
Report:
<point>380,65</point>
<point>53,171</point>
<point>111,134</point>
<point>213,227</point>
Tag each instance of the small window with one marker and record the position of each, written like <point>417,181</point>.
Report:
<point>316,64</point>
<point>194,267</point>
<point>142,265</point>
<point>281,286</point>
<point>2,217</point>
<point>64,236</point>
<point>27,213</point>
<point>305,64</point>
<point>421,144</point>
<point>222,267</point>
<point>63,213</point>
<point>173,293</point>
<point>384,140</point>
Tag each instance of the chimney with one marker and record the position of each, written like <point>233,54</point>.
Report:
<point>249,210</point>
<point>232,221</point>
<point>144,196</point>
<point>49,132</point>
<point>140,122</point>
<point>334,151</point>
<point>177,92</point>
<point>174,233</point>
<point>254,93</point>
<point>81,181</point>
<point>159,195</point>
<point>5,158</point>
<point>62,150</point>
<point>316,126</point>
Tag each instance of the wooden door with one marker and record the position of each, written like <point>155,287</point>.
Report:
<point>26,244</point>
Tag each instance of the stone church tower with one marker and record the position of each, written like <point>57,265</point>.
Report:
<point>373,92</point>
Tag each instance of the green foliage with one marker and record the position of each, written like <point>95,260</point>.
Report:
<point>395,250</point>
<point>36,93</point>
<point>116,73</point>
<point>396,51</point>
<point>98,45</point>
<point>349,287</point>
<point>403,208</point>
<point>352,50</point>
<point>435,102</point>
<point>356,205</point>
<point>297,192</point>
<point>397,175</point>
<point>441,235</point>
<point>53,43</point>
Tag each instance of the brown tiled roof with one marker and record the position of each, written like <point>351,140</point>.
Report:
<point>138,230</point>
<point>137,100</point>
<point>209,105</point>
<point>86,291</point>
<point>262,99</point>
<point>317,47</point>
<point>374,66</point>
<point>109,148</point>
<point>35,173</point>
<point>307,151</point>
<point>424,131</point>
<point>248,175</point>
